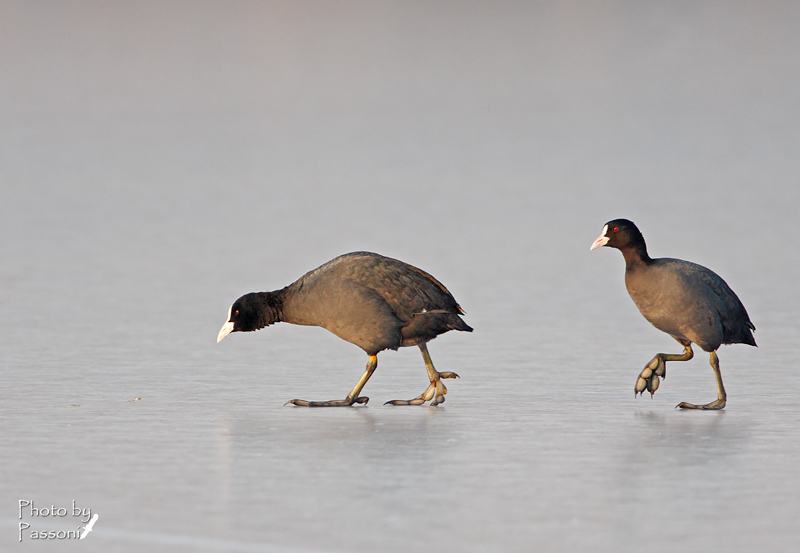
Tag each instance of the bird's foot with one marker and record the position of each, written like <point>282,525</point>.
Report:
<point>649,377</point>
<point>331,403</point>
<point>427,395</point>
<point>435,392</point>
<point>713,406</point>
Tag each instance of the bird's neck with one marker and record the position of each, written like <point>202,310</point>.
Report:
<point>271,306</point>
<point>636,255</point>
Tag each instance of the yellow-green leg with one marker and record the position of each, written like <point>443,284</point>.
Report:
<point>351,398</point>
<point>435,391</point>
<point>721,395</point>
<point>657,367</point>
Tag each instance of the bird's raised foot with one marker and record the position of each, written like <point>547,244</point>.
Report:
<point>713,406</point>
<point>649,377</point>
<point>332,403</point>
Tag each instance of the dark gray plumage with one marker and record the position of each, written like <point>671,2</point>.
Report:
<point>369,300</point>
<point>689,302</point>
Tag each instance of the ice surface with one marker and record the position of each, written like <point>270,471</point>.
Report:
<point>159,160</point>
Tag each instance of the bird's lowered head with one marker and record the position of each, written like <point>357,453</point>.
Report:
<point>251,312</point>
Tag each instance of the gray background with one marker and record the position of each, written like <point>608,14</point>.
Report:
<point>159,159</point>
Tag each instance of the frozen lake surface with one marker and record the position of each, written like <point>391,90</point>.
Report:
<point>154,167</point>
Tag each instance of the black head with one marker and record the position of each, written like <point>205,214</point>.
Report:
<point>621,234</point>
<point>251,312</point>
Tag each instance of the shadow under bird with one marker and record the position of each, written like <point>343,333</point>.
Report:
<point>687,301</point>
<point>369,300</point>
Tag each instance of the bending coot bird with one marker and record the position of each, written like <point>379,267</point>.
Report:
<point>369,300</point>
<point>687,301</point>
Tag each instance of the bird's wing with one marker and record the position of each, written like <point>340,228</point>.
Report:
<point>731,307</point>
<point>408,290</point>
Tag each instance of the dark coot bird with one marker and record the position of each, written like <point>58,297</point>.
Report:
<point>687,301</point>
<point>372,301</point>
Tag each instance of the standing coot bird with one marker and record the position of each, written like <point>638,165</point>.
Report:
<point>372,301</point>
<point>683,299</point>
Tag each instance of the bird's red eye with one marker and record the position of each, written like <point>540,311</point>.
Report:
<point>615,230</point>
<point>236,312</point>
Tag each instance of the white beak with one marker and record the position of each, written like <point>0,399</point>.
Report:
<point>226,329</point>
<point>602,240</point>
